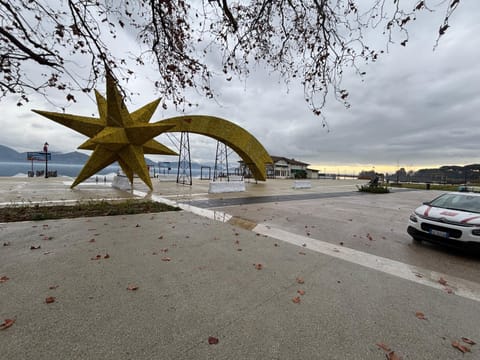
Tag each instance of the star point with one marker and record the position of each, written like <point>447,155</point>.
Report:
<point>116,135</point>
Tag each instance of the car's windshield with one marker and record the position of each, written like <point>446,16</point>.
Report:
<point>463,202</point>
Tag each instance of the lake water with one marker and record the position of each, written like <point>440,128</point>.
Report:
<point>22,168</point>
<point>72,170</point>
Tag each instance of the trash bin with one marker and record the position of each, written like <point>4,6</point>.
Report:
<point>428,186</point>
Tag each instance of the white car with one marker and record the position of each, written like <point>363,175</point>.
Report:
<point>452,218</point>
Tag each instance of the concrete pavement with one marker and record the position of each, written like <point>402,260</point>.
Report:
<point>234,280</point>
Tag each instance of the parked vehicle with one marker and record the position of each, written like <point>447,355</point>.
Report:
<point>452,219</point>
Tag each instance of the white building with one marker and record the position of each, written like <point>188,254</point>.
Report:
<point>284,168</point>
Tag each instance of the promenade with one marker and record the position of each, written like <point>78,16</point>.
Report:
<point>271,273</point>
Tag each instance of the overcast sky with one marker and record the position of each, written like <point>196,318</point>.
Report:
<point>415,108</point>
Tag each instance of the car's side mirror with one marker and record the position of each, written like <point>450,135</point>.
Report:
<point>426,203</point>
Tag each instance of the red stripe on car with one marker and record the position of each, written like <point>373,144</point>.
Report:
<point>469,219</point>
<point>427,210</point>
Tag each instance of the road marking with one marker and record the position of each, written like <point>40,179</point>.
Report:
<point>461,287</point>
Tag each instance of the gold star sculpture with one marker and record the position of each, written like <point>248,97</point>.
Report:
<point>116,136</point>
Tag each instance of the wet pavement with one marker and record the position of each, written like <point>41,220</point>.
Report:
<point>272,273</point>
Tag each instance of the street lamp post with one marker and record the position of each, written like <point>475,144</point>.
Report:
<point>45,150</point>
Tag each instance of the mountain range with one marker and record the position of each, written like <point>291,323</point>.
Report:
<point>10,155</point>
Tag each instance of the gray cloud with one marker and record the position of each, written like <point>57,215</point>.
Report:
<point>415,106</point>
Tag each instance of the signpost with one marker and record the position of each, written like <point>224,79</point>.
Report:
<point>40,156</point>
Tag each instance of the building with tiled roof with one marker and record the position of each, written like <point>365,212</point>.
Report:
<point>285,168</point>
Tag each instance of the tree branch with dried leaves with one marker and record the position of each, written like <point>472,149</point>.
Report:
<point>44,46</point>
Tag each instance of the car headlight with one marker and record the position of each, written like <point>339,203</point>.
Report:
<point>413,218</point>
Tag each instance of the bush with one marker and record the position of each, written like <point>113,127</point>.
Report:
<point>374,189</point>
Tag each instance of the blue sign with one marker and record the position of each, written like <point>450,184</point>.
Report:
<point>39,156</point>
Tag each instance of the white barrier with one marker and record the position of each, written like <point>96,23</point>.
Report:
<point>302,184</point>
<point>217,187</point>
<point>121,182</point>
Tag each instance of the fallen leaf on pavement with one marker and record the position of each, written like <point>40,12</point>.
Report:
<point>53,287</point>
<point>302,253</point>
<point>166,258</point>
<point>369,237</point>
<point>6,243</point>
<point>460,347</point>
<point>132,287</point>
<point>301,292</point>
<point>4,279</point>
<point>91,240</point>
<point>300,280</point>
<point>212,340</point>
<point>258,266</point>
<point>106,256</point>
<point>442,281</point>
<point>296,299</point>
<point>49,300</point>
<point>98,257</point>
<point>449,290</point>
<point>392,356</point>
<point>420,315</point>
<point>468,341</point>
<point>6,324</point>
<point>33,247</point>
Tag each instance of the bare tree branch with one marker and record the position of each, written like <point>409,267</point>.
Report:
<point>310,41</point>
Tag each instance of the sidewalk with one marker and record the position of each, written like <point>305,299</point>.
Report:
<point>199,278</point>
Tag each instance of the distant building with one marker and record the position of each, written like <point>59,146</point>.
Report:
<point>284,168</point>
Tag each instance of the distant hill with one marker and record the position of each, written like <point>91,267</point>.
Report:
<point>74,157</point>
<point>9,155</point>
<point>451,174</point>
